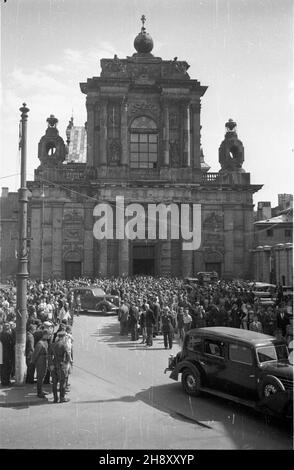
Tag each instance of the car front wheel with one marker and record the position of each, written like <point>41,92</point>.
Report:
<point>270,387</point>
<point>191,381</point>
<point>104,309</point>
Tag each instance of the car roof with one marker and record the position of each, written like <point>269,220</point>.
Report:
<point>261,284</point>
<point>97,290</point>
<point>224,332</point>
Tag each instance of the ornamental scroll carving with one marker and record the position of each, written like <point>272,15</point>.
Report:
<point>175,68</point>
<point>113,66</point>
<point>72,234</point>
<point>143,107</point>
<point>73,215</point>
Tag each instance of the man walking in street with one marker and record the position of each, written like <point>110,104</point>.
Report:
<point>59,358</point>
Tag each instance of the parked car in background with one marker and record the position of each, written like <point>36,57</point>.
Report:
<point>288,293</point>
<point>95,300</point>
<point>264,292</point>
<point>207,277</point>
<point>249,368</point>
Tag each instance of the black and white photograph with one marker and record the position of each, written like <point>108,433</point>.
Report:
<point>146,229</point>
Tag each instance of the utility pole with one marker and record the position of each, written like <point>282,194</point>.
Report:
<point>22,274</point>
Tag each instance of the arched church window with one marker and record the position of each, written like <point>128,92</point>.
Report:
<point>143,143</point>
<point>50,148</point>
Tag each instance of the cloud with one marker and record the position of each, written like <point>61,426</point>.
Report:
<point>54,68</point>
<point>37,80</point>
<point>89,59</point>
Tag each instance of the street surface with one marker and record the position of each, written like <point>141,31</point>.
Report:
<point>121,399</point>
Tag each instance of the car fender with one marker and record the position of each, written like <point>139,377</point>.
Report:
<point>270,378</point>
<point>194,366</point>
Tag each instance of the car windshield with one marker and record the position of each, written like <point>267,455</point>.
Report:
<point>277,352</point>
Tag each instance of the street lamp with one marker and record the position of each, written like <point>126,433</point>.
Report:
<point>42,234</point>
<point>22,273</point>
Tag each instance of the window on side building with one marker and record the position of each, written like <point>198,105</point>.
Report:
<point>288,233</point>
<point>270,232</point>
<point>143,143</point>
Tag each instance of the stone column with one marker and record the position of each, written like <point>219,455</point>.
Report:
<point>124,134</point>
<point>102,263</point>
<point>90,130</point>
<point>228,241</point>
<point>165,251</point>
<point>96,135</point>
<point>88,240</point>
<point>165,135</point>
<point>123,257</point>
<point>195,150</point>
<point>186,135</point>
<point>247,239</point>
<point>187,257</point>
<point>103,131</point>
<point>57,215</point>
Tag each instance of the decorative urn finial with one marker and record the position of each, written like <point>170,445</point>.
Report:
<point>231,125</point>
<point>52,120</point>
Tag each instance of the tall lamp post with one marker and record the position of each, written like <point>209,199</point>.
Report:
<point>42,234</point>
<point>22,274</point>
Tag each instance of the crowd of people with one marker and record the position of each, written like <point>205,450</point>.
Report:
<point>167,306</point>
<point>149,307</point>
<point>49,340</point>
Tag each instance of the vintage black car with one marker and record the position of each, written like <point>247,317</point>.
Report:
<point>240,365</point>
<point>95,300</point>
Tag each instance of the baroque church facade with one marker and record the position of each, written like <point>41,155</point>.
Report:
<point>143,144</point>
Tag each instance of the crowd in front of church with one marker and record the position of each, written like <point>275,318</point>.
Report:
<point>150,307</point>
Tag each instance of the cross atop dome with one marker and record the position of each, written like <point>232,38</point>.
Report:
<point>143,42</point>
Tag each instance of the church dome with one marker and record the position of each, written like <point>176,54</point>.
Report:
<point>143,42</point>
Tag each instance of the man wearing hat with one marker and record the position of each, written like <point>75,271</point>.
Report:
<point>167,328</point>
<point>29,353</point>
<point>59,358</point>
<point>40,360</point>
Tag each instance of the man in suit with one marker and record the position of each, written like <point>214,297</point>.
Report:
<point>282,319</point>
<point>133,322</point>
<point>30,341</point>
<point>123,317</point>
<point>150,322</point>
<point>40,360</point>
<point>59,357</point>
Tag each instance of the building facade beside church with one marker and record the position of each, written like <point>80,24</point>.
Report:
<point>143,143</point>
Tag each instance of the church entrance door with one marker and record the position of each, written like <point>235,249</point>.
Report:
<point>217,267</point>
<point>73,269</point>
<point>144,259</point>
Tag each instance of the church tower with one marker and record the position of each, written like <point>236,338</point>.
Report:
<point>143,117</point>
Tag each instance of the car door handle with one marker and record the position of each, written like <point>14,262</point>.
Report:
<point>252,375</point>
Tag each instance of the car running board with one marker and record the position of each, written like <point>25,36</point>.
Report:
<point>227,396</point>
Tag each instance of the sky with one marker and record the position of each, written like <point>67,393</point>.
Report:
<point>241,49</point>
